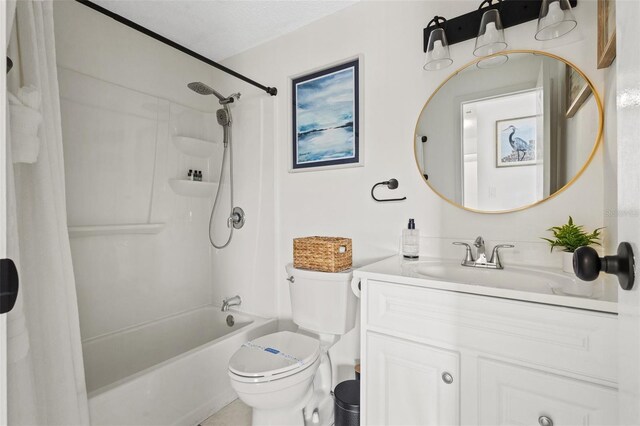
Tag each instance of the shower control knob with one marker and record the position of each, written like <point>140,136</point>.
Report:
<point>237,218</point>
<point>545,421</point>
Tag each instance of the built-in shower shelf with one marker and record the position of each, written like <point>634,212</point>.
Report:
<point>190,188</point>
<point>126,229</point>
<point>195,147</point>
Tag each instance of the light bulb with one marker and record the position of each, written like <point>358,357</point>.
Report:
<point>555,15</point>
<point>438,50</point>
<point>491,33</point>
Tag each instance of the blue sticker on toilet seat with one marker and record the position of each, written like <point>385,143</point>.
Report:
<point>291,358</point>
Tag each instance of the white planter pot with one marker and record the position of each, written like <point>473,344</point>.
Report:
<point>567,262</point>
<point>577,287</point>
<point>580,288</point>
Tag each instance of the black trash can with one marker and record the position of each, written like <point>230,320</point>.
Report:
<point>347,403</point>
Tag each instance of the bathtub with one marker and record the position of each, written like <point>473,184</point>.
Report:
<point>168,372</point>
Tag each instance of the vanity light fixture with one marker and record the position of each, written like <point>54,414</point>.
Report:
<point>556,19</point>
<point>490,38</point>
<point>487,23</point>
<point>438,55</point>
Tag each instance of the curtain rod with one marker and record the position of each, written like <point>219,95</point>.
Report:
<point>270,90</point>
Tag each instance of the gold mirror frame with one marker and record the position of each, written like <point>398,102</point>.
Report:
<point>596,144</point>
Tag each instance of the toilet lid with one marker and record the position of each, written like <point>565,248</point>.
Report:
<point>274,354</point>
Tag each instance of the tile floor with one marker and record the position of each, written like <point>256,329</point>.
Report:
<point>234,414</point>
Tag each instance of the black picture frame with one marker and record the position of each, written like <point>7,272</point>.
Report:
<point>295,82</point>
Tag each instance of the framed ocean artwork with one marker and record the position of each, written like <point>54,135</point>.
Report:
<point>326,118</point>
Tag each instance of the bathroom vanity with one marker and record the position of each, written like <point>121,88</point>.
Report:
<point>440,347</point>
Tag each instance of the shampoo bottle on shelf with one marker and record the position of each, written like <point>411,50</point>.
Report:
<point>411,241</point>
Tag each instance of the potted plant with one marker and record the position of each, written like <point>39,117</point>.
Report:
<point>571,236</point>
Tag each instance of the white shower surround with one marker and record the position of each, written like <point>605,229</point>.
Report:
<point>167,372</point>
<point>112,63</point>
<point>119,160</point>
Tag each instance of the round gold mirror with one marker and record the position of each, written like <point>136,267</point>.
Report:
<point>508,137</point>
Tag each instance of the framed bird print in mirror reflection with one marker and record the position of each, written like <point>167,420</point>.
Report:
<point>516,141</point>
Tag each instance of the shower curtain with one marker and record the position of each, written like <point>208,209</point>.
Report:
<point>46,383</point>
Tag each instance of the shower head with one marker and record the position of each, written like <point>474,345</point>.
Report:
<point>223,116</point>
<point>202,89</point>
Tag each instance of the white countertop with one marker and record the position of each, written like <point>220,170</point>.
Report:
<point>399,270</point>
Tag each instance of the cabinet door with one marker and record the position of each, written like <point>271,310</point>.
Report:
<point>513,395</point>
<point>410,383</point>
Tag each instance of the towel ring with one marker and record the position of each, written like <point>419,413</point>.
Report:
<point>391,184</point>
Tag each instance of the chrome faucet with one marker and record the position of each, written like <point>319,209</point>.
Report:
<point>230,301</point>
<point>481,257</point>
<point>480,261</point>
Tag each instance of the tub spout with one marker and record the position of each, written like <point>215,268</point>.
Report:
<point>231,301</point>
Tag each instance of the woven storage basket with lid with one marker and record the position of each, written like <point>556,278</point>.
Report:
<point>324,254</point>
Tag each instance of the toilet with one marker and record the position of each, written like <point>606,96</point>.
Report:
<point>286,377</point>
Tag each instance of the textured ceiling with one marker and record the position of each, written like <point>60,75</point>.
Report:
<point>219,29</point>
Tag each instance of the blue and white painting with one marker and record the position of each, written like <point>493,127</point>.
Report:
<point>326,117</point>
<point>516,141</point>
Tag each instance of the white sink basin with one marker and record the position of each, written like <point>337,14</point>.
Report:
<point>512,277</point>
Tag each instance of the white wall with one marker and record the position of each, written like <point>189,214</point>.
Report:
<point>337,202</point>
<point>610,160</point>
<point>123,96</point>
<point>580,127</point>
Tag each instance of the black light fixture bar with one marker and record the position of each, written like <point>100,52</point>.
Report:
<point>270,90</point>
<point>465,27</point>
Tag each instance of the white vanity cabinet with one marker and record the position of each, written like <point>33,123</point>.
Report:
<point>431,356</point>
<point>514,395</point>
<point>411,383</point>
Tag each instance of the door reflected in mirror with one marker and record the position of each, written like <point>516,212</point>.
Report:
<point>508,137</point>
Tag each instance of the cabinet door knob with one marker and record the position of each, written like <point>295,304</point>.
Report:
<point>447,378</point>
<point>545,421</point>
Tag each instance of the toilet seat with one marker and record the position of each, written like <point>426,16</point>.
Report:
<point>273,357</point>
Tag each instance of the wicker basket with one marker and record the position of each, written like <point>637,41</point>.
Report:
<point>324,254</point>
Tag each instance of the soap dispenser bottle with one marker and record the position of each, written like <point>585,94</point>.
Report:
<point>410,241</point>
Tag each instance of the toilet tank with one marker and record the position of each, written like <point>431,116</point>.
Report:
<point>322,302</point>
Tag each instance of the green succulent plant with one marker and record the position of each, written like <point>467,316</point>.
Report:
<point>571,236</point>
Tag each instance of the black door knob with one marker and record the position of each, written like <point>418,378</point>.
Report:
<point>9,284</point>
<point>587,264</point>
